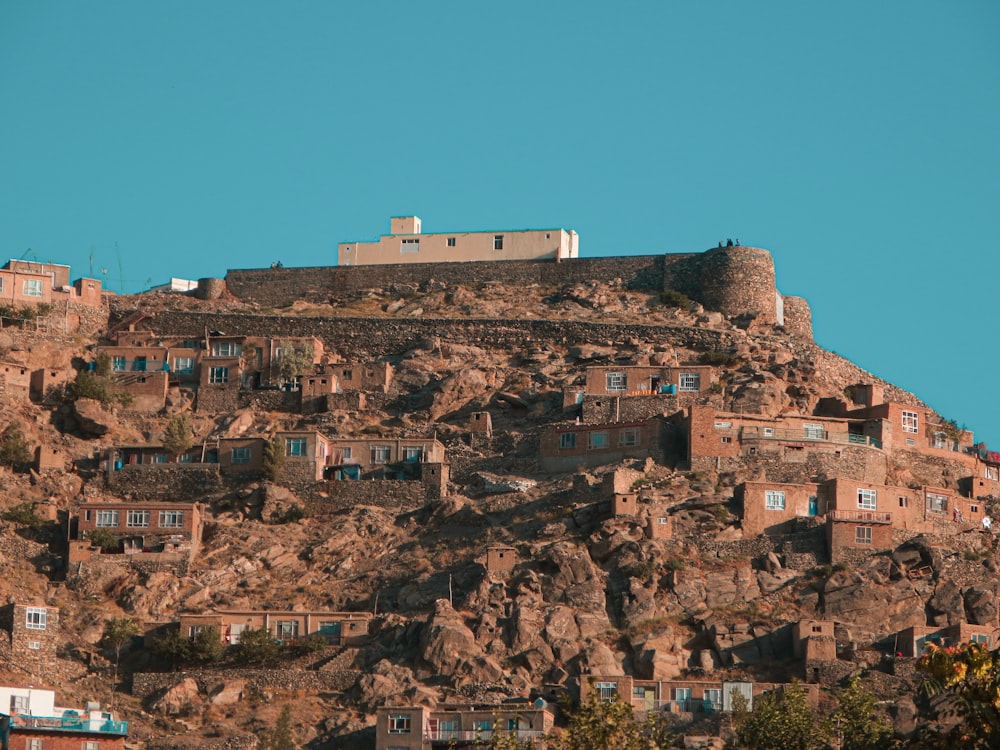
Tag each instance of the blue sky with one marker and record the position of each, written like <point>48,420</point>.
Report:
<point>857,141</point>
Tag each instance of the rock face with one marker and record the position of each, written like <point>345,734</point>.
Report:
<point>93,419</point>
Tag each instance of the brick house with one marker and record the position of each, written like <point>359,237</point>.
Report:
<point>420,727</point>
<point>565,447</point>
<point>49,727</point>
<point>307,454</point>
<point>636,380</point>
<point>374,377</point>
<point>31,282</point>
<point>340,628</point>
<point>382,457</point>
<point>32,635</point>
<point>146,530</point>
<point>500,559</point>
<point>814,640</point>
<point>240,456</point>
<point>768,507</point>
<point>15,379</point>
<point>914,640</point>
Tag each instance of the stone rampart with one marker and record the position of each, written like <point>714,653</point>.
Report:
<point>145,684</point>
<point>165,481</point>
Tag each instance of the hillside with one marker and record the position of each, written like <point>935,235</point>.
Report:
<point>691,583</point>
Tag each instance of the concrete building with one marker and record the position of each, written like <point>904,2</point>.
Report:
<point>340,628</point>
<point>147,531</point>
<point>406,243</point>
<point>421,728</point>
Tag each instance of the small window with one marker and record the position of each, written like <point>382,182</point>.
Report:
<point>867,499</point>
<point>498,242</point>
<point>629,437</point>
<point>380,454</point>
<point>184,365</point>
<point>937,503</point>
<point>774,499</point>
<point>137,519</point>
<point>567,440</point>
<point>911,441</point>
<point>171,519</point>
<point>482,725</point>
<point>218,375</point>
<point>241,455</point>
<point>662,521</point>
<point>413,453</point>
<point>34,743</point>
<point>451,242</point>
<point>990,472</point>
<point>727,439</point>
<point>615,381</point>
<point>723,425</point>
<point>118,364</point>
<point>90,745</point>
<point>817,628</point>
<point>597,440</point>
<point>107,519</point>
<point>410,246</point>
<point>399,723</point>
<point>973,508</point>
<point>689,382</point>
<point>35,618</point>
<point>19,704</point>
<point>863,535</point>
<point>904,502</point>
<point>295,446</point>
<point>768,432</point>
<point>606,690</point>
<point>940,440</point>
<point>35,645</point>
<point>813,431</point>
<point>226,349</point>
<point>32,288</point>
<point>910,422</point>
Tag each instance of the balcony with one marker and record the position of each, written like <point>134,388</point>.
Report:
<point>748,434</point>
<point>69,722</point>
<point>456,736</point>
<point>860,516</point>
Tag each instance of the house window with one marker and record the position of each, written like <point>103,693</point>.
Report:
<point>911,441</point>
<point>973,508</point>
<point>410,246</point>
<point>863,535</point>
<point>680,694</point>
<point>567,440</point>
<point>413,453</point>
<point>813,431</point>
<point>380,454</point>
<point>727,439</point>
<point>347,374</point>
<point>399,723</point>
<point>286,630</point>
<point>723,425</point>
<point>597,440</point>
<point>980,638</point>
<point>218,375</point>
<point>867,499</point>
<point>904,502</point>
<point>482,725</point>
<point>184,364</point>
<point>32,288</point>
<point>662,521</point>
<point>107,519</point>
<point>91,745</point>
<point>498,242</point>
<point>241,455</point>
<point>990,472</point>
<point>295,446</point>
<point>34,744</point>
<point>689,382</point>
<point>937,503</point>
<point>171,519</point>
<point>1,283</point>
<point>629,437</point>
<point>774,499</point>
<point>615,381</point>
<point>226,349</point>
<point>451,242</point>
<point>713,699</point>
<point>118,364</point>
<point>940,440</point>
<point>768,432</point>
<point>35,618</point>
<point>606,690</point>
<point>137,519</point>
<point>19,704</point>
<point>35,645</point>
<point>347,454</point>
<point>910,422</point>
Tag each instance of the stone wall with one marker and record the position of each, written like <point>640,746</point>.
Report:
<point>269,400</point>
<point>213,399</point>
<point>798,318</point>
<point>372,338</point>
<point>145,684</point>
<point>332,497</point>
<point>279,287</point>
<point>165,481</point>
<point>849,461</point>
<point>603,409</point>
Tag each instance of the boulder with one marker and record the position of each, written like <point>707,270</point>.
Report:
<point>92,418</point>
<point>178,699</point>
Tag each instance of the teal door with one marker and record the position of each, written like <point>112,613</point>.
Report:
<point>813,506</point>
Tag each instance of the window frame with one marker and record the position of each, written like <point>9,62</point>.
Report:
<point>867,499</point>
<point>911,422</point>
<point>615,382</point>
<point>106,518</point>
<point>296,447</point>
<point>772,498</point>
<point>863,535</point>
<point>629,437</point>
<point>598,440</point>
<point>381,454</point>
<point>399,723</point>
<point>218,375</point>
<point>171,519</point>
<point>240,455</point>
<point>38,290</point>
<point>498,242</point>
<point>36,618</point>
<point>136,518</point>
<point>689,382</point>
<point>936,503</point>
<point>567,440</point>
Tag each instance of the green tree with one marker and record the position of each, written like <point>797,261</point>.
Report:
<point>294,360</point>
<point>178,437</point>
<point>88,385</point>
<point>14,450</point>
<point>103,365</point>
<point>858,721</point>
<point>599,724</point>
<point>118,631</point>
<point>24,514</point>
<point>779,721</point>
<point>257,646</point>
<point>207,646</point>
<point>281,736</point>
<point>173,647</point>
<point>962,690</point>
<point>105,539</point>
<point>274,459</point>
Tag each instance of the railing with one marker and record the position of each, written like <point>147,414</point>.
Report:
<point>70,723</point>
<point>825,436</point>
<point>476,735</point>
<point>864,516</point>
<point>686,705</point>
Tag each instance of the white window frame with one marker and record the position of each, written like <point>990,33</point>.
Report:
<point>91,745</point>
<point>911,422</point>
<point>991,473</point>
<point>723,425</point>
<point>412,452</point>
<point>19,704</point>
<point>607,691</point>
<point>171,519</point>
<point>689,382</point>
<point>862,534</point>
<point>35,618</point>
<point>184,364</point>
<point>35,287</point>
<point>137,519</point>
<point>937,503</point>
<point>106,519</point>
<point>615,382</point>
<point>241,455</point>
<point>774,499</point>
<point>380,454</point>
<point>296,447</point>
<point>34,743</point>
<point>498,242</point>
<point>409,245</point>
<point>118,364</point>
<point>867,499</point>
<point>813,431</point>
<point>218,375</point>
<point>226,349</point>
<point>399,723</point>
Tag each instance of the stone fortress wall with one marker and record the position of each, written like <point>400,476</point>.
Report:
<point>736,281</point>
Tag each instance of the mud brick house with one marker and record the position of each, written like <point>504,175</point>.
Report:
<point>49,458</point>
<point>643,380</point>
<point>373,377</point>
<point>680,696</point>
<point>420,727</point>
<point>500,559</point>
<point>307,454</point>
<point>45,379</point>
<point>566,447</point>
<point>150,532</point>
<point>31,635</point>
<point>340,628</point>
<point>382,457</point>
<point>406,243</point>
<point>36,723</point>
<point>31,282</point>
<point>915,640</point>
<point>481,423</point>
<point>15,379</point>
<point>241,456</point>
<point>814,640</point>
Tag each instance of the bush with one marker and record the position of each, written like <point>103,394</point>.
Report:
<point>106,539</point>
<point>673,298</point>
<point>257,646</point>
<point>24,514</point>
<point>274,459</point>
<point>14,450</point>
<point>719,359</point>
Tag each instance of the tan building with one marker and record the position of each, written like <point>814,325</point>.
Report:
<point>31,282</point>
<point>374,377</point>
<point>500,559</point>
<point>421,728</point>
<point>32,636</point>
<point>915,640</point>
<point>146,530</point>
<point>566,447</point>
<point>287,626</point>
<point>814,640</point>
<point>406,243</point>
<point>642,380</point>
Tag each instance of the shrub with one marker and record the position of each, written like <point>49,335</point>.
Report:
<point>673,298</point>
<point>257,646</point>
<point>106,539</point>
<point>14,451</point>
<point>24,514</point>
<point>719,359</point>
<point>274,459</point>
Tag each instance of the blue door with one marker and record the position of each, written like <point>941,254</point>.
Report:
<point>813,506</point>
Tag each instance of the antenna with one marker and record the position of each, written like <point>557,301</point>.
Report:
<point>92,261</point>
<point>121,274</point>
